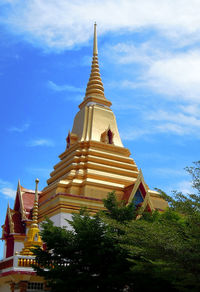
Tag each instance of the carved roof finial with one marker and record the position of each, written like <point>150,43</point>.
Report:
<point>10,220</point>
<point>22,209</point>
<point>18,185</point>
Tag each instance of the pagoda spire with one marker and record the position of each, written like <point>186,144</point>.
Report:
<point>95,85</point>
<point>95,90</point>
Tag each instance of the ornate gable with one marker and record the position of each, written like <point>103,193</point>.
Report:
<point>140,194</point>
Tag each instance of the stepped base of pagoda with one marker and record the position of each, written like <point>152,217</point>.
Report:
<point>87,172</point>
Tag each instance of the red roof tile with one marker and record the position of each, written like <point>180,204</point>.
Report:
<point>28,200</point>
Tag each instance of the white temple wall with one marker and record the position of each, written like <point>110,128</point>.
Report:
<point>59,219</point>
<point>18,246</point>
<point>4,249</point>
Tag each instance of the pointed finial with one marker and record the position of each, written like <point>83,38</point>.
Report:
<point>18,185</point>
<point>35,207</point>
<point>95,49</point>
<point>36,189</point>
<point>19,191</point>
<point>95,90</point>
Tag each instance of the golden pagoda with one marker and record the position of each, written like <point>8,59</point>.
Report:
<point>94,163</point>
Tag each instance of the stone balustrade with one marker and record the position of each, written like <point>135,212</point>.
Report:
<point>17,262</point>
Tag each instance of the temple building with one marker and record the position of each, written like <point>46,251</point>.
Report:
<point>94,163</point>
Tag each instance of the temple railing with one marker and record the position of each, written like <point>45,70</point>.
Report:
<point>17,262</point>
<point>26,261</point>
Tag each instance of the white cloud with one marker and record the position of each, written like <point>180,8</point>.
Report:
<point>8,192</point>
<point>65,87</point>
<point>185,187</point>
<point>19,129</point>
<point>168,172</point>
<point>126,53</point>
<point>63,23</point>
<point>192,109</point>
<point>177,75</point>
<point>175,122</point>
<point>172,129</point>
<point>6,189</point>
<point>148,132</point>
<point>179,118</point>
<point>40,142</point>
<point>131,84</point>
<point>135,133</point>
<point>172,73</point>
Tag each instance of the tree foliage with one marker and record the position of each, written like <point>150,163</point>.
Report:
<point>114,252</point>
<point>118,210</point>
<point>86,258</point>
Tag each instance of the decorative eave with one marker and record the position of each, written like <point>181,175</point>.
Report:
<point>6,226</point>
<point>13,225</point>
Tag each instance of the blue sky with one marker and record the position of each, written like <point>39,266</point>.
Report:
<point>149,54</point>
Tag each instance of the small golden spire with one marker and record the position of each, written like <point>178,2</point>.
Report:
<point>95,89</point>
<point>33,238</point>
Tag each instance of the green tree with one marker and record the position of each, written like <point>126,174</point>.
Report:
<point>119,210</point>
<point>86,258</point>
<point>164,248</point>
